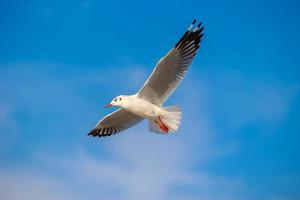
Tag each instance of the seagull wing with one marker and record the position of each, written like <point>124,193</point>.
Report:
<point>171,69</point>
<point>115,122</point>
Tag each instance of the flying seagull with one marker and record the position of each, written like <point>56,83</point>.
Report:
<point>147,102</point>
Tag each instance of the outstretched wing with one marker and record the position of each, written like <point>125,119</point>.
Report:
<point>171,69</point>
<point>115,122</point>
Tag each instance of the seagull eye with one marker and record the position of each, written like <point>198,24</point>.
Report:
<point>120,99</point>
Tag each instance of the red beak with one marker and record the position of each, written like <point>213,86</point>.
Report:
<point>108,105</point>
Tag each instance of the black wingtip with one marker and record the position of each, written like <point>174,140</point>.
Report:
<point>191,32</point>
<point>201,29</point>
<point>93,133</point>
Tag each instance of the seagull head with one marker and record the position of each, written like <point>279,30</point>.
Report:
<point>117,101</point>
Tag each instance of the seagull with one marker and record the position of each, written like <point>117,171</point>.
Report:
<point>147,103</point>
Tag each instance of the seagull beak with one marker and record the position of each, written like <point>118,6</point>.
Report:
<point>108,105</point>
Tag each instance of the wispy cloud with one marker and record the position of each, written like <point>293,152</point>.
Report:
<point>140,165</point>
<point>240,100</point>
<point>9,128</point>
<point>22,184</point>
<point>135,164</point>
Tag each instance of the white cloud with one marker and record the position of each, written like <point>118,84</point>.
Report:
<point>142,166</point>
<point>21,184</point>
<point>9,129</point>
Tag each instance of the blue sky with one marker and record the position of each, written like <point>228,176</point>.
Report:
<point>61,61</point>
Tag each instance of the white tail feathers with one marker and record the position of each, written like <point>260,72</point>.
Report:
<point>171,120</point>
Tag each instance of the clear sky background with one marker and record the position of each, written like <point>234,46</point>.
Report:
<point>62,61</point>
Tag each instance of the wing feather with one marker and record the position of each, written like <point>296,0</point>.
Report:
<point>171,69</point>
<point>114,123</point>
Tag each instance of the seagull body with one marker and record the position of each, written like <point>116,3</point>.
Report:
<point>148,110</point>
<point>141,107</point>
<point>147,103</point>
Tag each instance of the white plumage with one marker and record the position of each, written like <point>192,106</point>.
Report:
<point>147,102</point>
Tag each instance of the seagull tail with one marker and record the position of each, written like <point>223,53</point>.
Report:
<point>168,122</point>
<point>173,118</point>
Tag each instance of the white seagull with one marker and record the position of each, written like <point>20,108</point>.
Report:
<point>147,102</point>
